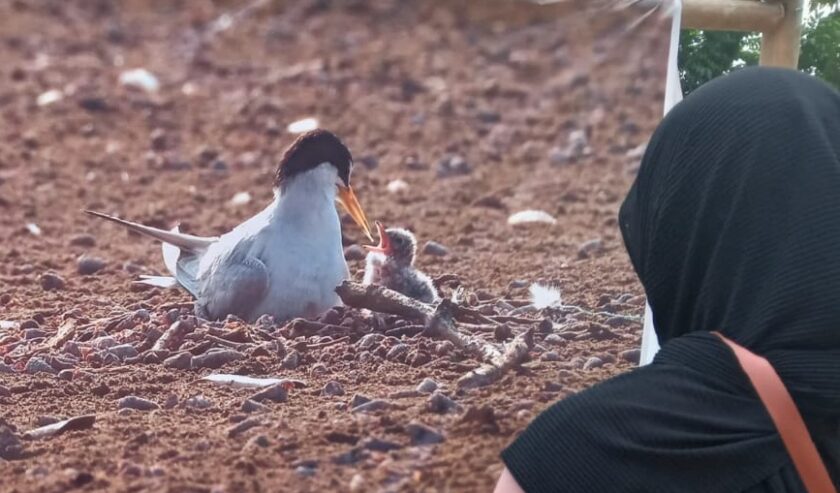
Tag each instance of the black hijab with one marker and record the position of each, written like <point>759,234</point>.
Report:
<point>732,224</point>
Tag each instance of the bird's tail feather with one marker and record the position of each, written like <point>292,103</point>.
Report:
<point>180,240</point>
<point>158,281</point>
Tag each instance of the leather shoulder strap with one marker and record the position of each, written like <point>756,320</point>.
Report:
<point>772,392</point>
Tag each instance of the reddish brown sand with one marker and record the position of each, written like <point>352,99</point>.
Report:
<point>405,84</point>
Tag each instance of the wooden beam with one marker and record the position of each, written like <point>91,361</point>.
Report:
<point>780,45</point>
<point>732,15</point>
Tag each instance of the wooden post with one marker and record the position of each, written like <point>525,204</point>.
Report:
<point>780,45</point>
<point>732,15</point>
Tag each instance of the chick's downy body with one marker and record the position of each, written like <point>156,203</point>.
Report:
<point>391,264</point>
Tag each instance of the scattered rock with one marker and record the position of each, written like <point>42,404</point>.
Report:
<point>397,351</point>
<point>243,426</point>
<point>358,484</point>
<point>427,386</point>
<point>104,342</point>
<point>550,356</point>
<point>440,403</point>
<point>250,406</point>
<point>502,332</point>
<point>260,441</point>
<point>198,402</point>
<point>453,166</point>
<point>291,361</point>
<point>6,369</point>
<point>181,361</point>
<point>591,248</point>
<point>421,434</point>
<point>137,403</point>
<point>158,139</point>
<point>49,97</point>
<point>333,388</point>
<point>368,341</point>
<point>631,355</point>
<point>30,324</point>
<point>216,358</point>
<point>38,365</point>
<point>52,282</point>
<point>358,400</point>
<point>554,339</point>
<point>305,471</point>
<point>379,445</point>
<point>275,393</point>
<point>435,249</point>
<point>66,375</point>
<point>4,392</point>
<point>125,351</point>
<point>171,401</point>
<point>30,334</point>
<point>371,406</point>
<point>354,252</point>
<point>11,447</point>
<point>593,362</point>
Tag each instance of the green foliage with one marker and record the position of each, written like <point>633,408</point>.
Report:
<point>704,55</point>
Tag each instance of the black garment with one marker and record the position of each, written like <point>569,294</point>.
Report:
<point>732,224</point>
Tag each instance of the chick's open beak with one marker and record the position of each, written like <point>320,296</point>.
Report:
<point>384,245</point>
<point>348,200</point>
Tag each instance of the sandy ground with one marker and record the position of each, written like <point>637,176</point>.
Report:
<point>549,109</point>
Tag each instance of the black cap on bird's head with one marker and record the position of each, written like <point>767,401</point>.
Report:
<point>312,149</point>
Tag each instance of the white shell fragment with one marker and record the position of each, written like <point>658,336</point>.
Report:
<point>396,186</point>
<point>301,126</point>
<point>531,216</point>
<point>33,229</point>
<point>241,380</point>
<point>49,97</point>
<point>141,79</point>
<point>240,198</point>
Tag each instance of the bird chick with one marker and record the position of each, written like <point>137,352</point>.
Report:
<point>391,264</point>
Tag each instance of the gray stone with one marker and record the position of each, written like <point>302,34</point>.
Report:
<point>87,266</point>
<point>593,362</point>
<point>37,365</point>
<point>333,388</point>
<point>421,434</point>
<point>427,386</point>
<point>435,249</point>
<point>137,403</point>
<point>275,393</point>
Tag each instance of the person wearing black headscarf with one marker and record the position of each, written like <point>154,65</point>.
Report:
<point>732,225</point>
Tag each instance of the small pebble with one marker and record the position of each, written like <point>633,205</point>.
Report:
<point>354,252</point>
<point>379,445</point>
<point>358,484</point>
<point>305,471</point>
<point>38,365</point>
<point>258,441</point>
<point>358,400</point>
<point>397,351</point>
<point>11,447</point>
<point>87,266</point>
<point>104,342</point>
<point>372,406</point>
<point>137,403</point>
<point>518,284</point>
<point>30,324</point>
<point>72,347</point>
<point>453,166</point>
<point>171,401</point>
<point>440,403</point>
<point>181,361</point>
<point>550,356</point>
<point>333,388</point>
<point>631,355</point>
<point>242,427</point>
<point>30,334</point>
<point>83,240</point>
<point>421,434</point>
<point>369,340</point>
<point>250,406</point>
<point>593,362</point>
<point>275,393</point>
<point>427,386</point>
<point>591,248</point>
<point>198,402</point>
<point>554,339</point>
<point>216,358</point>
<point>4,368</point>
<point>52,282</point>
<point>4,392</point>
<point>291,361</point>
<point>66,374</point>
<point>435,249</point>
<point>124,351</point>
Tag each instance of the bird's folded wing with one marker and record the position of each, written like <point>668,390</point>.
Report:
<point>236,286</point>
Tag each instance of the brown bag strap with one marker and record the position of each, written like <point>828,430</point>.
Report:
<point>786,417</point>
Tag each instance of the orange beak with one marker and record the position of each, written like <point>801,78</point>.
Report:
<point>348,200</point>
<point>384,245</point>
